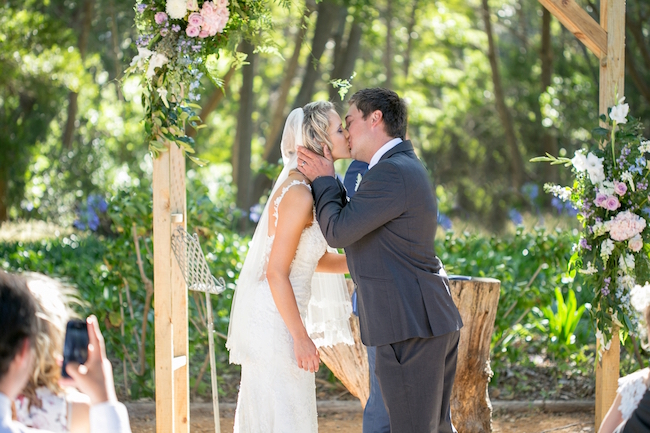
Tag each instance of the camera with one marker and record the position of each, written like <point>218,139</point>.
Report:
<point>75,348</point>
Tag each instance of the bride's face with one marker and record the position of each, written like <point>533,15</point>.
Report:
<point>339,137</point>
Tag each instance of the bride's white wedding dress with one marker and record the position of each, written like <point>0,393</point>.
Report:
<point>275,395</point>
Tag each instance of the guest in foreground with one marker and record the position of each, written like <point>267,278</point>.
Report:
<point>19,326</point>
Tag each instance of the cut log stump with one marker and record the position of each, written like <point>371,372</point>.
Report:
<point>477,300</point>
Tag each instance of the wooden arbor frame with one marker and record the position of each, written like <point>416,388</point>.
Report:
<point>607,41</point>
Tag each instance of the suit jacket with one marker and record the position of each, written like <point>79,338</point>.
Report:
<point>387,230</point>
<point>639,422</point>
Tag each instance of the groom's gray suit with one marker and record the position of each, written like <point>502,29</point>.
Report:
<point>405,306</point>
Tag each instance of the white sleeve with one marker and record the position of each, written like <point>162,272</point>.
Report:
<point>109,417</point>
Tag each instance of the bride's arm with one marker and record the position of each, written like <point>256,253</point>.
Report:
<point>613,417</point>
<point>333,263</point>
<point>294,213</point>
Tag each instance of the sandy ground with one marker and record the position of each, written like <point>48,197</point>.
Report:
<point>349,421</point>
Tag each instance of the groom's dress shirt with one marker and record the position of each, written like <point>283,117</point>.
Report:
<point>387,230</point>
<point>109,417</point>
<point>382,151</point>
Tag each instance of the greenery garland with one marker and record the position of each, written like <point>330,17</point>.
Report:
<point>179,43</point>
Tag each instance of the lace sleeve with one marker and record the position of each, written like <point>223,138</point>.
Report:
<point>631,389</point>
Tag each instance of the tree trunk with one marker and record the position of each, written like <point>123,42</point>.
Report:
<point>241,152</point>
<point>348,57</point>
<point>549,141</point>
<point>516,161</point>
<point>327,12</point>
<point>350,363</point>
<point>117,52</point>
<point>632,71</point>
<point>285,87</point>
<point>4,193</point>
<point>636,29</point>
<point>388,52</point>
<point>409,40</point>
<point>477,301</point>
<point>68,130</point>
<point>213,101</point>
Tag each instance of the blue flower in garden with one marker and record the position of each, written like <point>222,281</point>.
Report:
<point>636,169</point>
<point>255,213</point>
<point>444,221</point>
<point>531,190</point>
<point>557,204</point>
<point>570,210</point>
<point>515,217</point>
<point>88,216</point>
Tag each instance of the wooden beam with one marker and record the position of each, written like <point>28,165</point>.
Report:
<point>179,295</point>
<point>611,88</point>
<point>585,28</point>
<point>162,295</point>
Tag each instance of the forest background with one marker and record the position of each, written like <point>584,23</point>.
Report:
<point>490,84</point>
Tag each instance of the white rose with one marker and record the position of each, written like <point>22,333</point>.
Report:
<point>143,55</point>
<point>157,61</point>
<point>176,9</point>
<point>635,244</point>
<point>619,112</point>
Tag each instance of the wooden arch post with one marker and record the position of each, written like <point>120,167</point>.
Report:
<point>170,295</point>
<point>607,41</point>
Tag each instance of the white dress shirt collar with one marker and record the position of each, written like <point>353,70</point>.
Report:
<point>382,151</point>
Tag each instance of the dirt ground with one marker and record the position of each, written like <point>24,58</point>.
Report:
<point>350,422</point>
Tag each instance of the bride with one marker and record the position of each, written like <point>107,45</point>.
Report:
<point>282,310</point>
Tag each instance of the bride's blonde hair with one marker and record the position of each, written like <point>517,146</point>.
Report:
<point>315,125</point>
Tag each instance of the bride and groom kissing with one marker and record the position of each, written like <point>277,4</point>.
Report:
<point>291,296</point>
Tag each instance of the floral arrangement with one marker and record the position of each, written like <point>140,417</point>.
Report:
<point>610,191</point>
<point>177,40</point>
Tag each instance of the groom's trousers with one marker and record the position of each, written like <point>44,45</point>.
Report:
<point>416,377</point>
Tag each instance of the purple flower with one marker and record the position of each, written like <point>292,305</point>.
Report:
<point>176,28</point>
<point>444,221</point>
<point>141,7</point>
<point>604,291</point>
<point>620,188</point>
<point>600,200</point>
<point>160,17</point>
<point>516,217</point>
<point>612,203</point>
<point>642,186</point>
<point>584,244</point>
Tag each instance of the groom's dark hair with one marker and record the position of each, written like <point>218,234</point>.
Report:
<point>392,107</point>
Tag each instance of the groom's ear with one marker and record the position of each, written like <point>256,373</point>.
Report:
<point>376,117</point>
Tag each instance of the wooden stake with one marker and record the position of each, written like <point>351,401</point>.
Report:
<point>607,371</point>
<point>162,295</point>
<point>179,297</point>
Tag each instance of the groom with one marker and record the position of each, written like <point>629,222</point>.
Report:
<point>387,230</point>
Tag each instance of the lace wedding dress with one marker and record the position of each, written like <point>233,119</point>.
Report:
<point>631,389</point>
<point>275,395</point>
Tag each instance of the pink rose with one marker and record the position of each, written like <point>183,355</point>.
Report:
<point>160,17</point>
<point>195,19</point>
<point>620,188</point>
<point>612,203</point>
<point>635,244</point>
<point>192,31</point>
<point>600,199</point>
<point>204,34</point>
<point>192,5</point>
<point>221,4</point>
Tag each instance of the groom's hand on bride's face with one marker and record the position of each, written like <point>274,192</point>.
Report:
<point>313,165</point>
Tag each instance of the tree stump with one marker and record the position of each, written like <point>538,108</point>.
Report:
<point>477,301</point>
<point>350,363</point>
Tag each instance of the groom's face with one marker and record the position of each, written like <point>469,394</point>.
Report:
<point>358,134</point>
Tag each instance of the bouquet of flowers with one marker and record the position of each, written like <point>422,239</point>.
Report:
<point>177,37</point>
<point>610,190</point>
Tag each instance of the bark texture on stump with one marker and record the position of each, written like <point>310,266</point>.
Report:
<point>350,363</point>
<point>477,301</point>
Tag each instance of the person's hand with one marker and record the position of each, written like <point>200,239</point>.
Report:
<point>306,354</point>
<point>313,165</point>
<point>95,377</point>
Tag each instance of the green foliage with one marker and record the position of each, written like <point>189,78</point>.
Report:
<point>560,324</point>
